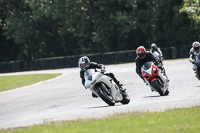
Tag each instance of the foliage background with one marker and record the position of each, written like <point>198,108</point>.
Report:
<point>33,29</point>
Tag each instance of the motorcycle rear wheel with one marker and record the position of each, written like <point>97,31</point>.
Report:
<point>156,85</point>
<point>126,98</point>
<point>105,96</point>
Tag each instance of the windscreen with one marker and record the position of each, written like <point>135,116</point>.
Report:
<point>146,66</point>
<point>88,74</point>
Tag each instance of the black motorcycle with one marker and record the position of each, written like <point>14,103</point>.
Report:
<point>197,66</point>
<point>159,57</point>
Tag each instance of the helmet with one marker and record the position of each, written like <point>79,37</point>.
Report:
<point>84,62</point>
<point>141,52</point>
<point>153,46</point>
<point>196,45</point>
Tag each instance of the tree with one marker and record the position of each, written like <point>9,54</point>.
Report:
<point>47,28</point>
<point>192,8</point>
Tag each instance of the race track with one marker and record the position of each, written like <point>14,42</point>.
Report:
<point>64,98</point>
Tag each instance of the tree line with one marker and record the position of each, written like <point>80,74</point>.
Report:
<point>33,29</point>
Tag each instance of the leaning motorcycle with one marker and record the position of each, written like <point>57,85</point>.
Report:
<point>197,66</point>
<point>155,78</point>
<point>159,56</point>
<point>104,87</point>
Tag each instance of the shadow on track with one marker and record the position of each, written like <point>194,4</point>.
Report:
<point>151,96</point>
<point>102,106</point>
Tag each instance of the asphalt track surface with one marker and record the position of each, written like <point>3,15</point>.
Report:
<point>64,98</point>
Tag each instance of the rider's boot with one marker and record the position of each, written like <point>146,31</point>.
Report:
<point>120,86</point>
<point>117,82</point>
<point>122,89</point>
<point>93,95</point>
<point>145,81</point>
<point>163,71</point>
<point>194,68</point>
<point>166,77</point>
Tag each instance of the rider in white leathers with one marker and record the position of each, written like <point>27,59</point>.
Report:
<point>84,64</point>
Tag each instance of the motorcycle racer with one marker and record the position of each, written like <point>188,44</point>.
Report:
<point>194,51</point>
<point>155,48</point>
<point>144,56</point>
<point>84,64</point>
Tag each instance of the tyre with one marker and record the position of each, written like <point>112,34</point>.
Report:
<point>166,92</point>
<point>105,95</point>
<point>198,73</point>
<point>158,87</point>
<point>126,98</point>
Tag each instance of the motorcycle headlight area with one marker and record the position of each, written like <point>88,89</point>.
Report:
<point>89,78</point>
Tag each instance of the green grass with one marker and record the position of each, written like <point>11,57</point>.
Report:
<point>185,120</point>
<point>12,82</point>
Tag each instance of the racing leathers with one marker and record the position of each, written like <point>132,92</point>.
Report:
<point>193,53</point>
<point>152,50</point>
<point>156,49</point>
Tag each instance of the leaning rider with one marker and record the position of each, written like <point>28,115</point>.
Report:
<point>84,64</point>
<point>144,56</point>
<point>194,51</point>
<point>155,48</point>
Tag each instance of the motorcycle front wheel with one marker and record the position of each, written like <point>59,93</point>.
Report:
<point>158,87</point>
<point>105,95</point>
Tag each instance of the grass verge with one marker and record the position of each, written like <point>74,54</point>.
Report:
<point>186,120</point>
<point>16,81</point>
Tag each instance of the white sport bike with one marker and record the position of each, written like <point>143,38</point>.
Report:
<point>104,87</point>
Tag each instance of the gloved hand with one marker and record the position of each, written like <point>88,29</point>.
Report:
<point>157,63</point>
<point>103,69</point>
<point>160,66</point>
<point>145,82</point>
<point>192,61</point>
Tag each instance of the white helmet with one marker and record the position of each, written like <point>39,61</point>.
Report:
<point>196,45</point>
<point>84,62</point>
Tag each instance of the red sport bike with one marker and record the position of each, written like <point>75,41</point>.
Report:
<point>155,78</point>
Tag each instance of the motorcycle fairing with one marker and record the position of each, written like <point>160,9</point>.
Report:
<point>149,71</point>
<point>98,77</point>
